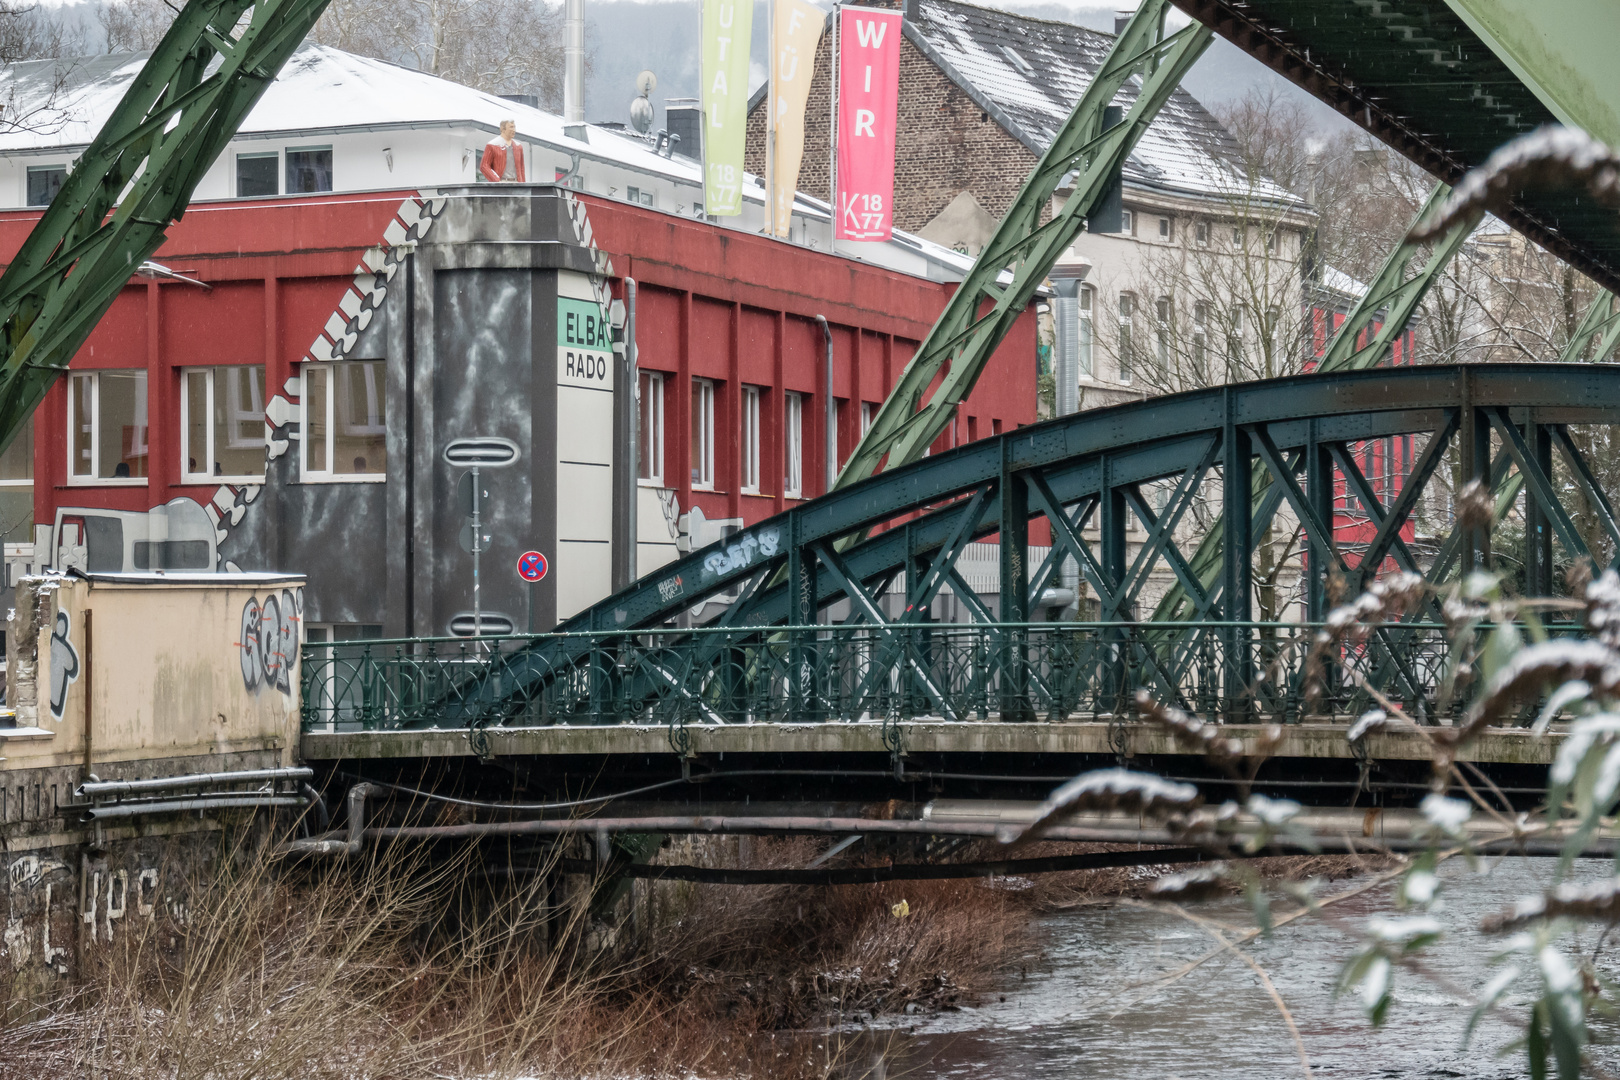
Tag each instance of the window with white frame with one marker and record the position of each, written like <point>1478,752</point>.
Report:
<point>702,433</point>
<point>868,414</point>
<point>1201,233</point>
<point>1087,329</point>
<point>1200,342</point>
<point>107,427</point>
<point>748,467</point>
<point>1167,231</point>
<point>793,445</point>
<point>1127,336</point>
<point>639,196</point>
<point>1127,222</point>
<point>222,421</point>
<point>1161,331</point>
<point>1234,337</point>
<point>17,487</point>
<point>650,429</point>
<point>345,435</point>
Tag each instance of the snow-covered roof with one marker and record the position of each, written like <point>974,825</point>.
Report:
<point>1029,73</point>
<point>319,89</point>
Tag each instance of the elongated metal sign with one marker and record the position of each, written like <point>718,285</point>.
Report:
<point>868,104</point>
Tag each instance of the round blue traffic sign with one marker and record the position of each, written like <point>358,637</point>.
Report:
<point>532,566</point>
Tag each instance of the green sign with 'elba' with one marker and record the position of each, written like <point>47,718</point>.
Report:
<point>582,325</point>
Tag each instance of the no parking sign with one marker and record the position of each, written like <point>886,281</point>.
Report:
<point>532,566</point>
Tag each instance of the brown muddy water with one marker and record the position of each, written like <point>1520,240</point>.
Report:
<point>1098,1006</point>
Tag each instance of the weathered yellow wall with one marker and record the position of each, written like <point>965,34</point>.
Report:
<point>176,666</point>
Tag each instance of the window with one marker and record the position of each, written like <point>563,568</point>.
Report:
<point>1234,340</point>
<point>868,414</point>
<point>1161,331</point>
<point>107,421</point>
<point>639,196</point>
<point>17,487</point>
<point>222,416</point>
<point>309,168</point>
<point>44,181</point>
<point>1271,240</point>
<point>1201,233</point>
<point>697,209</point>
<point>749,466</point>
<point>1127,222</point>
<point>793,448</point>
<point>1087,334</point>
<point>345,423</point>
<point>1127,336</point>
<point>1166,230</point>
<point>995,426</point>
<point>1200,334</point>
<point>650,429</point>
<point>256,174</point>
<point>702,433</point>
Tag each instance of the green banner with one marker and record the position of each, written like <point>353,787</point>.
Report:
<point>728,27</point>
<point>581,325</point>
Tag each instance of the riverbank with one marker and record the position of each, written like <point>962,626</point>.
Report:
<point>411,966</point>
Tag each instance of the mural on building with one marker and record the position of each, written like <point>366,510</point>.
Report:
<point>64,663</point>
<point>269,639</point>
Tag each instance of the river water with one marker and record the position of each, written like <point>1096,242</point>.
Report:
<point>1098,1006</point>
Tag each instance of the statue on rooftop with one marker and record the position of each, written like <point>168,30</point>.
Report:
<point>503,158</point>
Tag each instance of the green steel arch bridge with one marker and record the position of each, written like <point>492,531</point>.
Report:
<point>1444,82</point>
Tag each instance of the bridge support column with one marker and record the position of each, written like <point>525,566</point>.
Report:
<point>1538,534</point>
<point>802,611</point>
<point>1474,448</point>
<point>1111,523</point>
<point>1237,577</point>
<point>1014,608</point>
<point>1319,491</point>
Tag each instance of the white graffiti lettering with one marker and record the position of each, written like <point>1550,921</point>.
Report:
<point>669,588</point>
<point>741,554</point>
<point>269,639</point>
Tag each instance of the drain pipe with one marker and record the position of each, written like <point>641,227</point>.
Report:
<point>326,844</point>
<point>831,439</point>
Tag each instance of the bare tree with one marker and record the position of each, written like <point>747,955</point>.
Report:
<point>499,46</point>
<point>31,97</point>
<point>135,25</point>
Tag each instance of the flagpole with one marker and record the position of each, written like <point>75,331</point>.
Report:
<point>770,117</point>
<point>832,138</point>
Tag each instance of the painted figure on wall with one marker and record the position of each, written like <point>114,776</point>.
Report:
<point>503,158</point>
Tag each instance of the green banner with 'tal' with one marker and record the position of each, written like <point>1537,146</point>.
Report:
<point>728,27</point>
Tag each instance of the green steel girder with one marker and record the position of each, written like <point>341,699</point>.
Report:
<point>982,310</point>
<point>133,181</point>
<point>1392,294</point>
<point>1602,320</point>
<point>1063,470</point>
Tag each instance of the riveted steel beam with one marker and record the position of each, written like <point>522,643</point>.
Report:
<point>1084,155</point>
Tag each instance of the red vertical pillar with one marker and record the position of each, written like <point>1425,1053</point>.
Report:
<point>162,403</point>
<point>773,451</point>
<point>678,401</point>
<point>277,368</point>
<point>732,419</point>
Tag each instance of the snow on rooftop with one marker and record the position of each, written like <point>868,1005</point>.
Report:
<point>1034,71</point>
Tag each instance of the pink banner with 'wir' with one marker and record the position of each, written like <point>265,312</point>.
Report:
<point>868,100</point>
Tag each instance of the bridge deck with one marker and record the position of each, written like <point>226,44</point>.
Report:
<point>1320,741</point>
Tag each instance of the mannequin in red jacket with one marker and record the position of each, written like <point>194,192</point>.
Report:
<point>503,158</point>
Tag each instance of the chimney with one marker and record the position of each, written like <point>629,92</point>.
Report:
<point>912,10</point>
<point>684,117</point>
<point>574,61</point>
<point>1120,20</point>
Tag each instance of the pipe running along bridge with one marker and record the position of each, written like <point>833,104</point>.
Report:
<point>769,681</point>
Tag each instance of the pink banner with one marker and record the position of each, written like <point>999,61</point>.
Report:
<point>868,100</point>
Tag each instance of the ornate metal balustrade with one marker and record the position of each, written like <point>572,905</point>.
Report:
<point>841,674</point>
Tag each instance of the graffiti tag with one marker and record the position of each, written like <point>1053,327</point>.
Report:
<point>64,663</point>
<point>269,641</point>
<point>741,554</point>
<point>669,588</point>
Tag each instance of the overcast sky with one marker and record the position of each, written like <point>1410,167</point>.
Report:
<point>626,36</point>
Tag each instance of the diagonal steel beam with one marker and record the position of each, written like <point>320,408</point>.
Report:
<point>1362,489</point>
<point>1589,486</point>
<point>134,180</point>
<point>1602,320</point>
<point>1540,483</point>
<point>1411,489</point>
<point>983,308</point>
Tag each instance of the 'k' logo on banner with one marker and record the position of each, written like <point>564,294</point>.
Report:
<point>797,27</point>
<point>727,28</point>
<point>868,101</point>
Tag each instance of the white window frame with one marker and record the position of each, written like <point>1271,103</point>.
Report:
<point>1166,232</point>
<point>1127,222</point>
<point>651,419</point>
<point>703,423</point>
<point>259,155</point>
<point>1127,337</point>
<point>1163,311</point>
<point>206,476</point>
<point>868,414</point>
<point>330,476</point>
<point>1201,231</point>
<point>748,465</point>
<point>793,445</point>
<point>92,480</point>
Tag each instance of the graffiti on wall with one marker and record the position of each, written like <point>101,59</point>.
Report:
<point>269,639</point>
<point>64,663</point>
<point>38,890</point>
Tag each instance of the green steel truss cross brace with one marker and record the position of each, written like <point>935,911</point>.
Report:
<point>1601,319</point>
<point>982,310</point>
<point>1391,292</point>
<point>133,181</point>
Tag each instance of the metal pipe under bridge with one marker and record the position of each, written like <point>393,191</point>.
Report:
<point>1004,703</point>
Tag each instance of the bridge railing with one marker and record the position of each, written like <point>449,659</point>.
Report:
<point>834,674</point>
